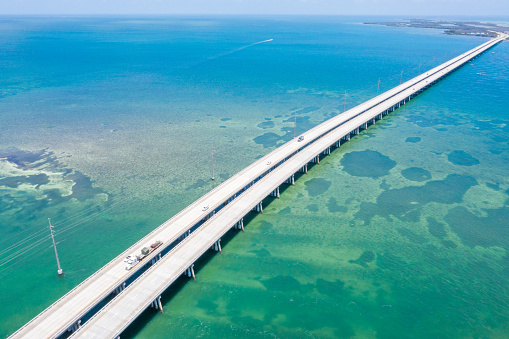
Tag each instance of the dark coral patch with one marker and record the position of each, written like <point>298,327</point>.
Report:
<point>480,231</point>
<point>407,202</point>
<point>267,139</point>
<point>462,158</point>
<point>317,186</point>
<point>413,139</point>
<point>416,174</point>
<point>330,288</point>
<point>266,124</point>
<point>411,235</point>
<point>281,283</point>
<point>436,228</point>
<point>286,211</point>
<point>365,258</point>
<point>367,164</point>
<point>262,253</point>
<point>13,182</point>
<point>333,206</point>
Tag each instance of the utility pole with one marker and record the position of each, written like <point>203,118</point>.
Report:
<point>294,124</point>
<point>401,78</point>
<point>378,87</point>
<point>60,272</point>
<point>344,106</point>
<point>212,150</point>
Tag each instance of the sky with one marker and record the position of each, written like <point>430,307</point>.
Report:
<point>416,8</point>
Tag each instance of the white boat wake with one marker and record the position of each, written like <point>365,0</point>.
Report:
<point>230,52</point>
<point>239,49</point>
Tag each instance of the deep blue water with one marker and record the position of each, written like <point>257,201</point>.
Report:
<point>106,126</point>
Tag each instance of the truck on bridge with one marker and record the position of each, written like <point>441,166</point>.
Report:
<point>133,259</point>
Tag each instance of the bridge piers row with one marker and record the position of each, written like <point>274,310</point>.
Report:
<point>190,272</point>
<point>121,287</point>
<point>183,236</point>
<point>157,305</point>
<point>217,246</point>
<point>275,193</point>
<point>158,257</point>
<point>74,327</point>
<point>258,208</point>
<point>290,181</point>
<point>240,224</point>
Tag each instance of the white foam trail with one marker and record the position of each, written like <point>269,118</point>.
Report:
<point>239,49</point>
<point>231,52</point>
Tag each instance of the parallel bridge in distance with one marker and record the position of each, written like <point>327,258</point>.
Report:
<point>107,302</point>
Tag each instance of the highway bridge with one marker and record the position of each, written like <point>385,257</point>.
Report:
<point>108,301</point>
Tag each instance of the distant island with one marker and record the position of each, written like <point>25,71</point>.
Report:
<point>486,29</point>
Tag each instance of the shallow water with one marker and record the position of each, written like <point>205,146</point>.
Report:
<point>107,125</point>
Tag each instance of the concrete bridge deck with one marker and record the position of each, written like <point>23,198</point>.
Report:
<point>189,228</point>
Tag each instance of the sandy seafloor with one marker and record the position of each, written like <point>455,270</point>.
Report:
<point>106,127</point>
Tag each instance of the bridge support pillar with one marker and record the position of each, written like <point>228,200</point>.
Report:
<point>190,272</point>
<point>275,193</point>
<point>240,225</point>
<point>258,208</point>
<point>217,246</point>
<point>160,305</point>
<point>293,181</point>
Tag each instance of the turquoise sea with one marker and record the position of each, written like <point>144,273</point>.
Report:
<point>106,125</point>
